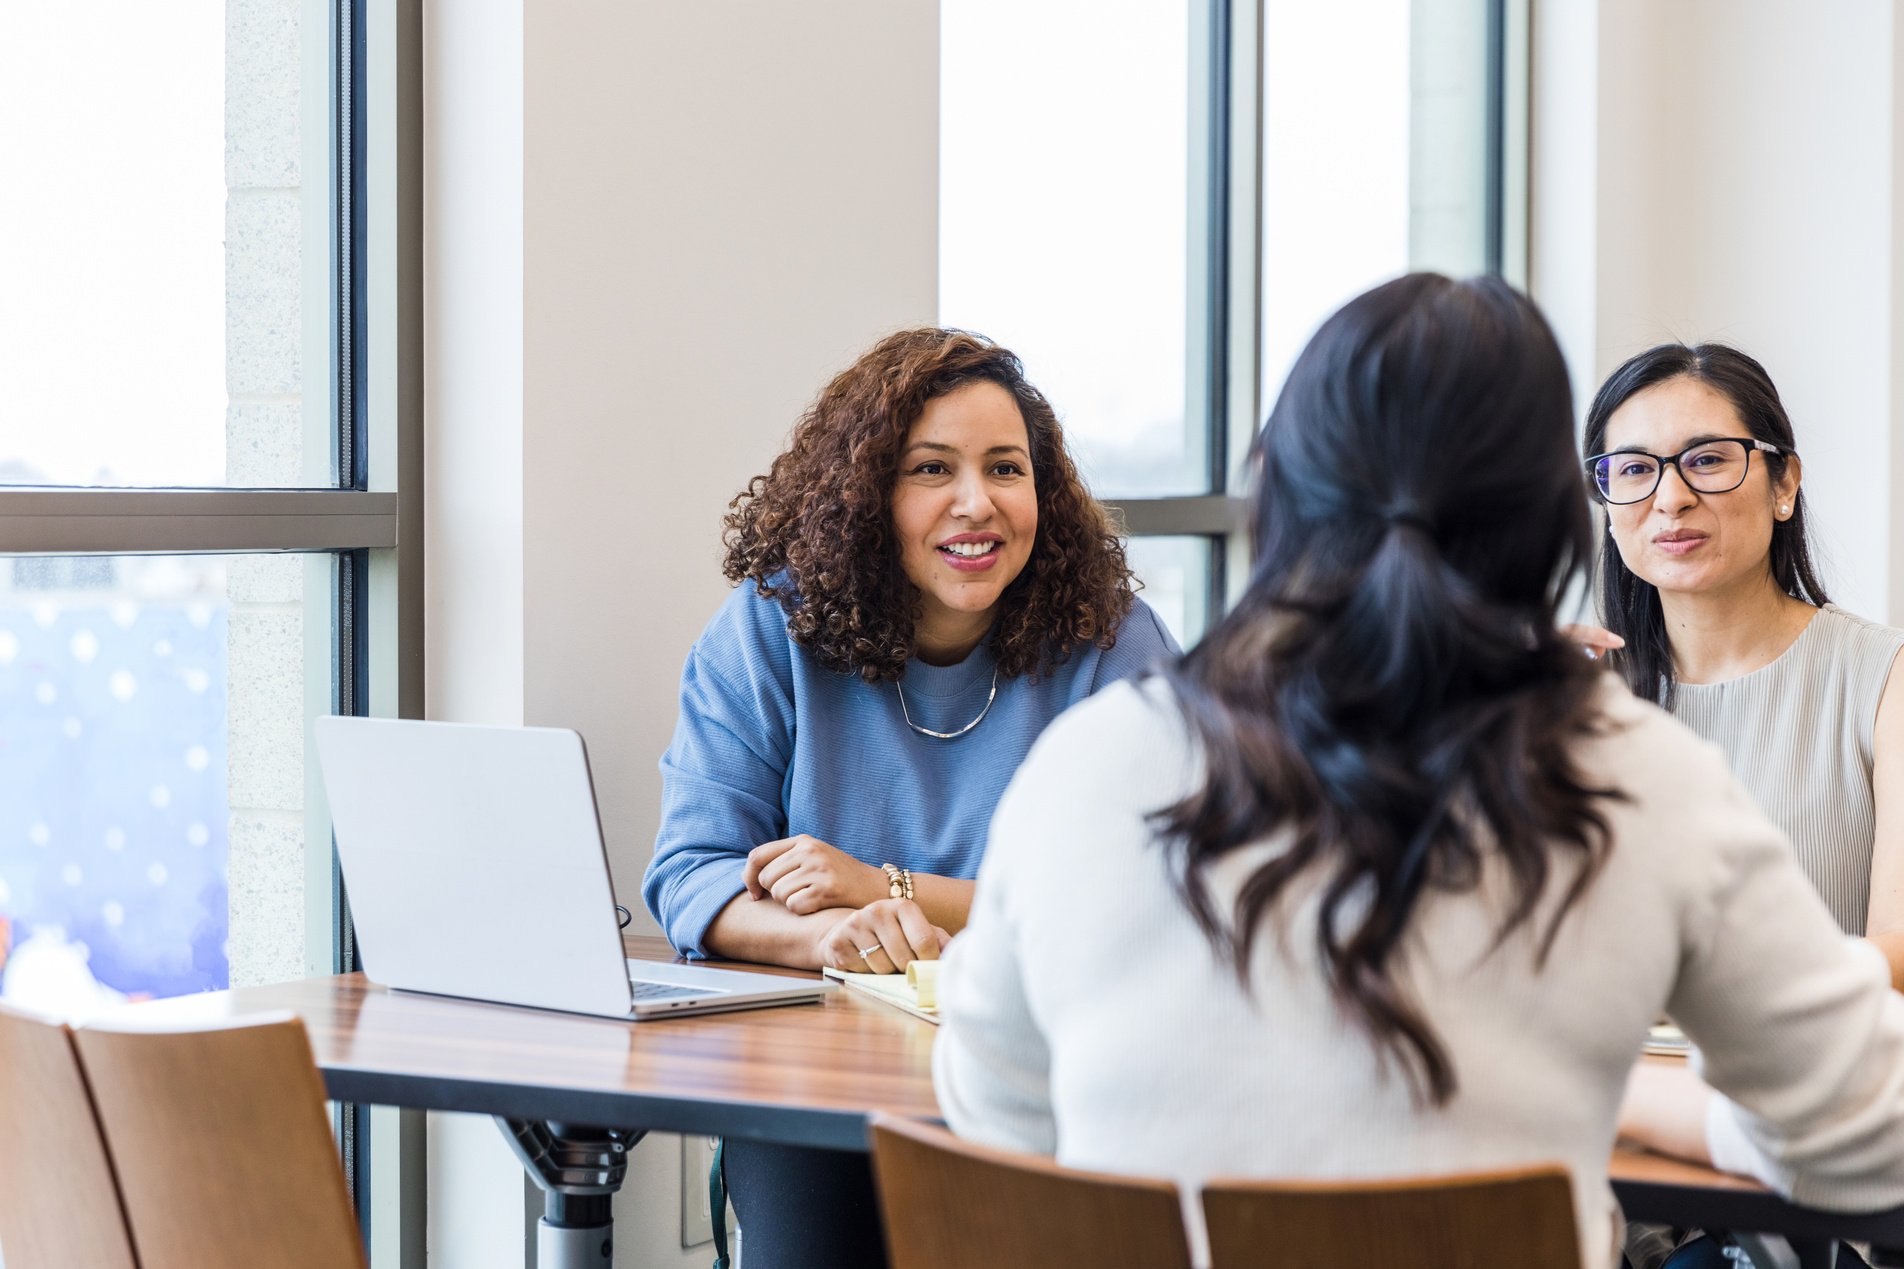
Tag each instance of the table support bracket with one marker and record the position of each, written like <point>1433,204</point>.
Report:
<point>1771,1252</point>
<point>578,1169</point>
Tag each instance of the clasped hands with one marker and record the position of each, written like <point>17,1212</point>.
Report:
<point>871,932</point>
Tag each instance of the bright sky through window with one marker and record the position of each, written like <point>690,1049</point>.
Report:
<point>1335,164</point>
<point>1062,192</point>
<point>112,242</point>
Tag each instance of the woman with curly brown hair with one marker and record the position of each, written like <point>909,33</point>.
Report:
<point>925,583</point>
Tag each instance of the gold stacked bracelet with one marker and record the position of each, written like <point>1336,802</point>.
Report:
<point>898,881</point>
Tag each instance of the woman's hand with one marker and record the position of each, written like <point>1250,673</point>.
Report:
<point>804,874</point>
<point>1664,1111</point>
<point>1595,641</point>
<point>882,938</point>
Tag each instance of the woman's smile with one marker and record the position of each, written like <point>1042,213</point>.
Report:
<point>972,552</point>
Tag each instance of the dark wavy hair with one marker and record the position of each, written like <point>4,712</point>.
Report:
<point>816,533</point>
<point>1391,692</point>
<point>1629,606</point>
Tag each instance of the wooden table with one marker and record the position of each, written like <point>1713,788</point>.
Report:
<point>800,1075</point>
<point>1666,1191</point>
<point>1654,1188</point>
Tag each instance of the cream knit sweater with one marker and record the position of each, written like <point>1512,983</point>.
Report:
<point>1085,1017</point>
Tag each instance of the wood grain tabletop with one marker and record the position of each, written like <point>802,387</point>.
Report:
<point>803,1074</point>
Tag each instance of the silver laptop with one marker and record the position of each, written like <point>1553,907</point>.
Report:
<point>473,860</point>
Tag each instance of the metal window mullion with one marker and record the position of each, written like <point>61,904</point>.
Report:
<point>1243,243</point>
<point>346,312</point>
<point>1224,272</point>
<point>192,521</point>
<point>1510,67</point>
<point>385,398</point>
<point>1214,264</point>
<point>347,185</point>
<point>1494,198</point>
<point>350,684</point>
<point>1206,515</point>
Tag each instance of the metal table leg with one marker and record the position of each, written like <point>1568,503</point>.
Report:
<point>1815,1253</point>
<point>1770,1251</point>
<point>1765,1252</point>
<point>578,1169</point>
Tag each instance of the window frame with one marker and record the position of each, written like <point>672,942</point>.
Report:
<point>1224,309</point>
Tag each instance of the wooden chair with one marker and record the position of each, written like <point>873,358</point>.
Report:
<point>59,1204</point>
<point>1455,1222</point>
<point>950,1204</point>
<point>222,1147</point>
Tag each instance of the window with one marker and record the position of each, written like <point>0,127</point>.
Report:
<point>162,247</point>
<point>152,715</point>
<point>1073,229</point>
<point>1063,166</point>
<point>210,428</point>
<point>1154,204</point>
<point>189,314</point>
<point>1380,154</point>
<point>1177,572</point>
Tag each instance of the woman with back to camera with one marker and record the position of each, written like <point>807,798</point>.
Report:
<point>1413,873</point>
<point>923,584</point>
<point>1710,584</point>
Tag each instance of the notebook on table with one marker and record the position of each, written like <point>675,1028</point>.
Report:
<point>916,991</point>
<point>474,867</point>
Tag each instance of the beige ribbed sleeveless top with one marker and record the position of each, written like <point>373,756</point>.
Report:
<point>1798,733</point>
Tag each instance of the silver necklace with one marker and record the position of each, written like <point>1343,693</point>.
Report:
<point>948,735</point>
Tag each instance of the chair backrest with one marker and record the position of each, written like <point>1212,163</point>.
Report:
<point>950,1204</point>
<point>1452,1222</point>
<point>59,1204</point>
<point>222,1146</point>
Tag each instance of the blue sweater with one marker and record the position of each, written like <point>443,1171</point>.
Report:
<point>769,744</point>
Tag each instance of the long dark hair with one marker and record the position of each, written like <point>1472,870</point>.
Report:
<point>1390,691</point>
<point>1629,606</point>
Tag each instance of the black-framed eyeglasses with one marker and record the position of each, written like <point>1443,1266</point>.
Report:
<point>1717,466</point>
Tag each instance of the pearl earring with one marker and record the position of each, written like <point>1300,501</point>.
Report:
<point>1784,510</point>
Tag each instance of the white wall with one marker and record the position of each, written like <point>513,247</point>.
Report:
<point>1728,170</point>
<point>724,204</point>
<point>653,230</point>
<point>473,505</point>
<point>473,333</point>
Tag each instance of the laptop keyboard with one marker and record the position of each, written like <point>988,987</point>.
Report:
<point>646,990</point>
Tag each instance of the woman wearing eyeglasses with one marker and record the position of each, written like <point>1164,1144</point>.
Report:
<point>924,584</point>
<point>1711,586</point>
<point>1725,623</point>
